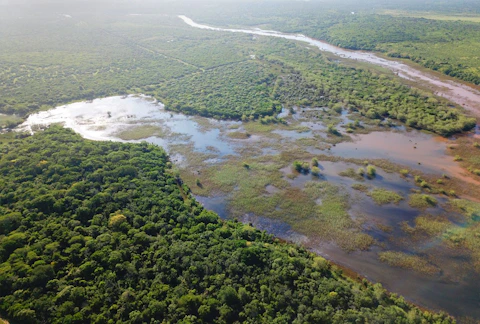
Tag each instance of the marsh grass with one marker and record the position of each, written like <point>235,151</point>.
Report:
<point>141,132</point>
<point>315,142</point>
<point>407,261</point>
<point>238,135</point>
<point>468,208</point>
<point>383,197</point>
<point>205,124</point>
<point>360,187</point>
<point>422,201</point>
<point>428,225</point>
<point>351,173</point>
<point>385,228</point>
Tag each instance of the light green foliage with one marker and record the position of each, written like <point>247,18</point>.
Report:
<point>422,201</point>
<point>316,171</point>
<point>382,196</point>
<point>350,173</point>
<point>371,172</point>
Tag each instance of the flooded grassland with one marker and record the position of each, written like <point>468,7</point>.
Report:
<point>388,202</point>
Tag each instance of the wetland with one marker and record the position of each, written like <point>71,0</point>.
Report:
<point>371,162</point>
<point>367,200</point>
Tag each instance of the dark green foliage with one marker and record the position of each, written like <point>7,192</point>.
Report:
<point>226,92</point>
<point>101,232</point>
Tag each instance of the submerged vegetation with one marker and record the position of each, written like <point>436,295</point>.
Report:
<point>102,231</point>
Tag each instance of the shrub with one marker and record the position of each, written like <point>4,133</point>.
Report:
<point>297,165</point>
<point>332,130</point>
<point>424,184</point>
<point>404,172</point>
<point>316,171</point>
<point>457,158</point>
<point>314,162</point>
<point>371,171</point>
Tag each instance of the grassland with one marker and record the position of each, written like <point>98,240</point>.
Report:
<point>9,121</point>
<point>432,15</point>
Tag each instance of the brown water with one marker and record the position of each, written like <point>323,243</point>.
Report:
<point>459,93</point>
<point>414,149</point>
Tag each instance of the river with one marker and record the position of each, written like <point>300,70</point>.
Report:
<point>459,93</point>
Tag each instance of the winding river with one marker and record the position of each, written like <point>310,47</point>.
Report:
<point>459,93</point>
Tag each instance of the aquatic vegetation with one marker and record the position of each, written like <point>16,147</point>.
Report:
<point>301,167</point>
<point>351,173</point>
<point>238,135</point>
<point>141,132</point>
<point>382,196</point>
<point>408,261</point>
<point>404,172</point>
<point>429,225</point>
<point>360,187</point>
<point>422,201</point>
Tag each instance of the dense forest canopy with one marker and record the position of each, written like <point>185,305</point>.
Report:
<point>102,232</point>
